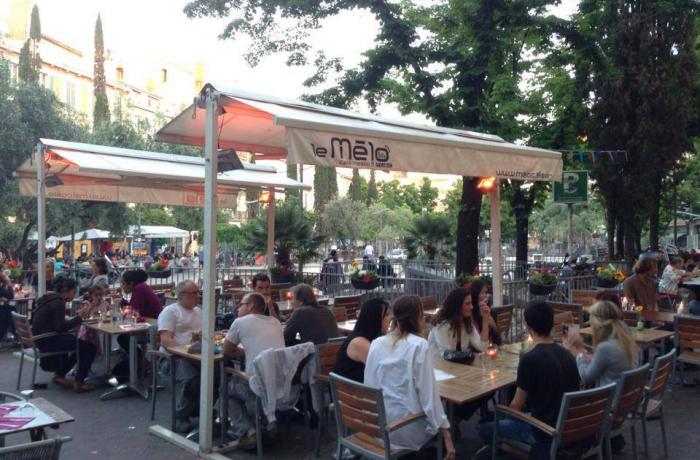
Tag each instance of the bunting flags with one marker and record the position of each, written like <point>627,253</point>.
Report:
<point>616,156</point>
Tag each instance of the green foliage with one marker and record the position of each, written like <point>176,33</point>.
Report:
<point>430,235</point>
<point>226,233</point>
<point>356,187</point>
<point>342,218</point>
<point>101,110</point>
<point>35,25</point>
<point>292,194</point>
<point>325,187</point>
<point>427,195</point>
<point>27,72</point>
<point>372,191</point>
<point>550,224</point>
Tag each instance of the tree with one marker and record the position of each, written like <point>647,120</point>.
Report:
<point>355,189</point>
<point>452,61</point>
<point>430,234</point>
<point>292,194</point>
<point>35,38</point>
<point>343,218</point>
<point>101,110</point>
<point>372,191</point>
<point>427,195</point>
<point>252,194</point>
<point>325,186</point>
<point>26,71</point>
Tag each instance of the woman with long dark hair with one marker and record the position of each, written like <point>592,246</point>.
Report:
<point>453,326</point>
<point>143,299</point>
<point>400,364</point>
<point>372,322</point>
<point>481,314</point>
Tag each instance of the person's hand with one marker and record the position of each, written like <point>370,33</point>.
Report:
<point>485,310</point>
<point>573,341</point>
<point>4,280</point>
<point>84,312</point>
<point>450,452</point>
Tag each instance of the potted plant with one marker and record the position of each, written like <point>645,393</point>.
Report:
<point>159,269</point>
<point>542,281</point>
<point>363,279</point>
<point>609,277</point>
<point>465,279</point>
<point>282,274</point>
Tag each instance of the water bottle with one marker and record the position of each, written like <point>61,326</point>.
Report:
<point>115,312</point>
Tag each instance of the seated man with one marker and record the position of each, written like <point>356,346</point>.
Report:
<point>253,332</point>
<point>176,324</point>
<point>6,294</point>
<point>640,288</point>
<point>545,373</point>
<point>261,285</point>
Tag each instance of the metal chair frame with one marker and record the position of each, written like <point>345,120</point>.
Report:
<point>48,449</point>
<point>653,394</point>
<point>628,398</point>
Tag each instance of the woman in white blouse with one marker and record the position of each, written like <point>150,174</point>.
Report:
<point>454,327</point>
<point>400,364</point>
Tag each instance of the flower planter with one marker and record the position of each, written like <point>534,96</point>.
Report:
<point>278,278</point>
<point>159,274</point>
<point>358,283</point>
<point>605,283</point>
<point>542,289</point>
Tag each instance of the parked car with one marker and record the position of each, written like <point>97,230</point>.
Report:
<point>397,255</point>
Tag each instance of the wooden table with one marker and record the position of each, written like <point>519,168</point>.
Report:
<point>47,415</point>
<point>107,331</point>
<point>346,327</point>
<point>430,313</point>
<point>665,317</point>
<point>644,338</point>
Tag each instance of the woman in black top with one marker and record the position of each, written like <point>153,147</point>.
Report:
<point>372,322</point>
<point>49,316</point>
<point>480,297</point>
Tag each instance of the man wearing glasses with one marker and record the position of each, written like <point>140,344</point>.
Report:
<point>176,323</point>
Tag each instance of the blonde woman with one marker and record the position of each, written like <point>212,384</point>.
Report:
<point>400,364</point>
<point>614,350</point>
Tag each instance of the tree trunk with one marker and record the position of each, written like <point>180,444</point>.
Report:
<point>468,227</point>
<point>620,240</point>
<point>655,204</point>
<point>610,223</point>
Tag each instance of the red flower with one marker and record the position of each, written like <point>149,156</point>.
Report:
<point>366,278</point>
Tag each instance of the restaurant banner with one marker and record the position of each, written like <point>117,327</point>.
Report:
<point>367,152</point>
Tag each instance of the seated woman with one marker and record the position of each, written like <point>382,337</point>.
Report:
<point>453,326</point>
<point>400,364</point>
<point>352,356</point>
<point>613,345</point>
<point>481,313</point>
<point>143,299</point>
<point>311,321</point>
<point>48,316</point>
<point>100,272</point>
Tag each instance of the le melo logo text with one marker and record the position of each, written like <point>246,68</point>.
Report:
<point>357,153</point>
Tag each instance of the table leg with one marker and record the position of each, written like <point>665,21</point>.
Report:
<point>223,400</point>
<point>132,386</point>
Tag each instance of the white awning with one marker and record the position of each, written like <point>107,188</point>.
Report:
<point>306,133</point>
<point>89,234</point>
<point>99,173</point>
<point>158,231</point>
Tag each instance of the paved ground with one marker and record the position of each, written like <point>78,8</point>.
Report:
<point>118,429</point>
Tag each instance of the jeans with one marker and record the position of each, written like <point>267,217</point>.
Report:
<point>694,307</point>
<point>241,406</point>
<point>6,323</point>
<point>518,431</point>
<point>187,378</point>
<point>62,364</point>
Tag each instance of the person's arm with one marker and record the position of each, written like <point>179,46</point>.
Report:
<point>439,340</point>
<point>232,350</point>
<point>58,319</point>
<point>428,395</point>
<point>292,327</point>
<point>485,327</point>
<point>167,339</point>
<point>475,340</point>
<point>358,349</point>
<point>518,402</point>
<point>591,369</point>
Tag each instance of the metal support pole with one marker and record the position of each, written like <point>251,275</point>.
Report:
<point>301,191</point>
<point>271,230</point>
<point>497,264</point>
<point>206,388</point>
<point>675,211</point>
<point>40,220</point>
<point>570,239</point>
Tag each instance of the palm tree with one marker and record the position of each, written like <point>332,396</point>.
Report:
<point>430,233</point>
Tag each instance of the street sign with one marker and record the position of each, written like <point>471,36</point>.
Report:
<point>573,188</point>
<point>138,244</point>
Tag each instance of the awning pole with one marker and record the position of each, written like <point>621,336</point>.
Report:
<point>271,231</point>
<point>40,220</point>
<point>496,264</point>
<point>206,399</point>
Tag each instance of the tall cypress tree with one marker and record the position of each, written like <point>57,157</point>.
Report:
<point>292,194</point>
<point>372,192</point>
<point>101,112</point>
<point>26,71</point>
<point>325,187</point>
<point>355,190</point>
<point>35,37</point>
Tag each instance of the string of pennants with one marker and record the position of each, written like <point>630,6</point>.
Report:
<point>596,155</point>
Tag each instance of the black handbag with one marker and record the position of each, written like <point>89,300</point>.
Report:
<point>459,356</point>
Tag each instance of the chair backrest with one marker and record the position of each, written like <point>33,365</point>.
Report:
<point>326,355</point>
<point>166,287</point>
<point>630,391</point>
<point>631,318</point>
<point>323,302</point>
<point>341,314</point>
<point>583,297</point>
<point>576,310</point>
<point>231,284</point>
<point>48,449</point>
<point>503,316</point>
<point>687,332</point>
<point>358,407</point>
<point>429,303</point>
<point>24,330</point>
<point>583,414</point>
<point>663,366</point>
<point>559,320</point>
<point>351,304</point>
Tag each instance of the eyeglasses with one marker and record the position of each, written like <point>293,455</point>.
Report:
<point>191,292</point>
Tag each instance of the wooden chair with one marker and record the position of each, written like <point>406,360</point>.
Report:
<point>47,449</point>
<point>687,341</point>
<point>559,320</point>
<point>576,310</point>
<point>27,342</point>
<point>503,316</point>
<point>628,397</point>
<point>351,304</point>
<point>326,356</point>
<point>323,302</point>
<point>232,284</point>
<point>582,415</point>
<point>583,297</point>
<point>429,303</point>
<point>341,314</point>
<point>631,318</point>
<point>361,409</point>
<point>654,397</point>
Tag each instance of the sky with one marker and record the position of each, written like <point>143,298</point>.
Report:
<point>140,30</point>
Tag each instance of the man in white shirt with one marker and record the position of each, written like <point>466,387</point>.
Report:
<point>176,323</point>
<point>249,335</point>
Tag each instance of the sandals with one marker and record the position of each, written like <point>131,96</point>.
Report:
<point>62,381</point>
